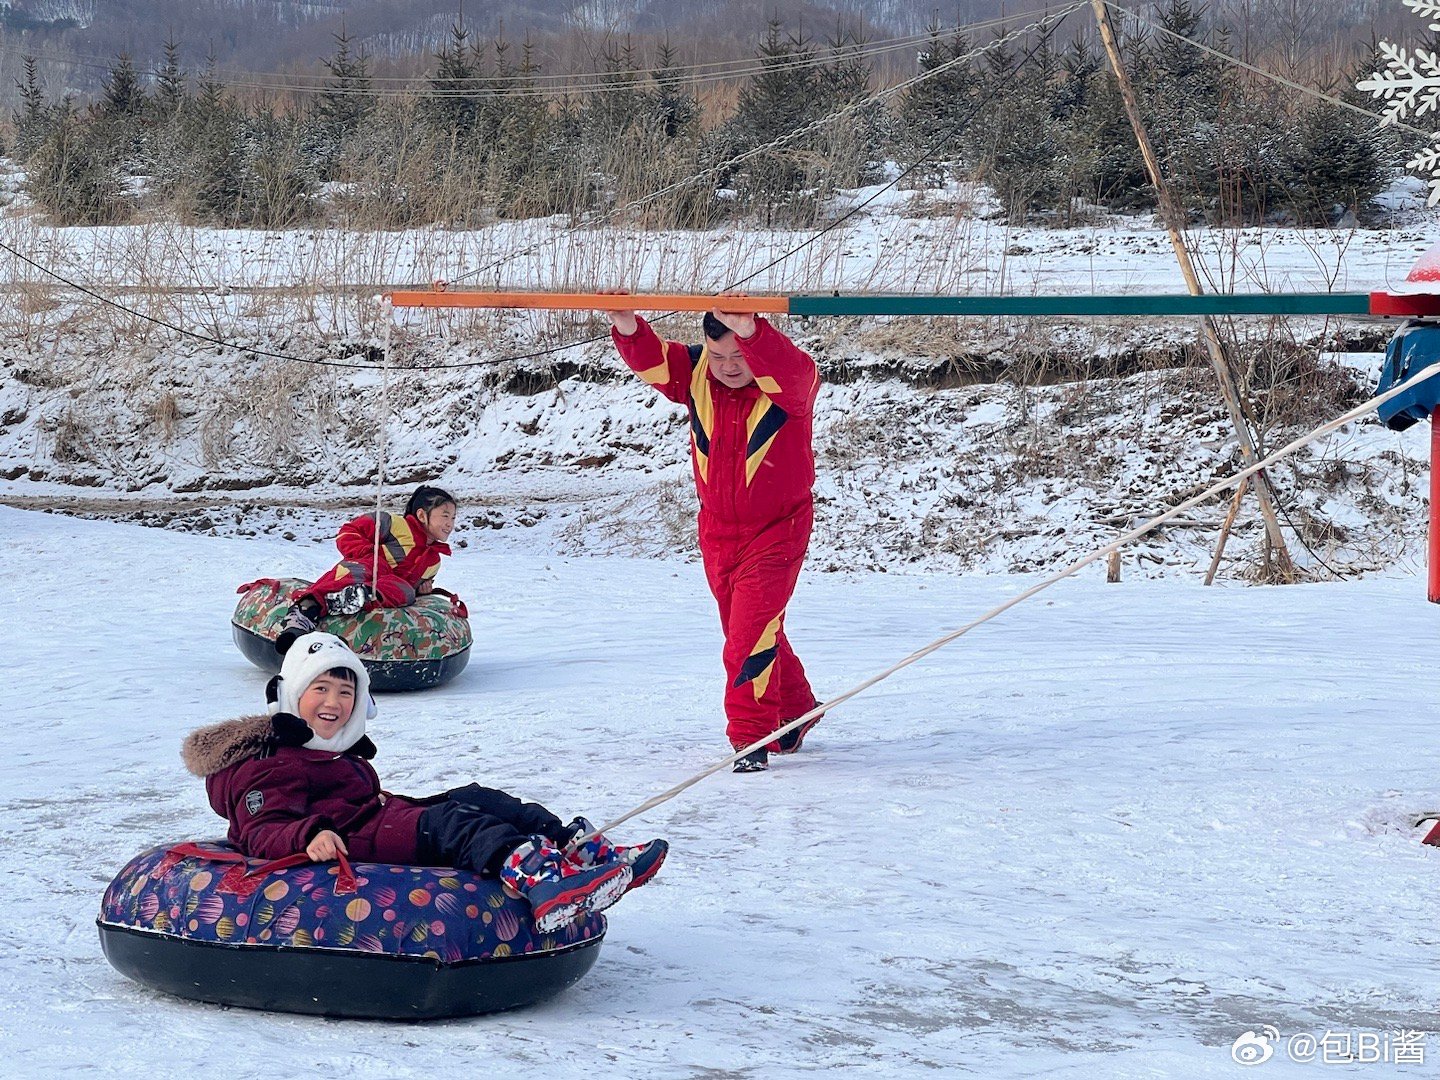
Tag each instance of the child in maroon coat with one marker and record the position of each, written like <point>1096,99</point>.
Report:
<point>388,570</point>
<point>300,779</point>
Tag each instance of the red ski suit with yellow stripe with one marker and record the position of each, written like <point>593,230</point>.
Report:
<point>408,559</point>
<point>754,470</point>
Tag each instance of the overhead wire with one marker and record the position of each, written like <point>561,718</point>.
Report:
<point>563,347</point>
<point>209,339</point>
<point>791,136</point>
<point>1053,17</point>
<point>542,84</point>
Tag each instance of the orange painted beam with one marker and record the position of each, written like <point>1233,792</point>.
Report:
<point>468,298</point>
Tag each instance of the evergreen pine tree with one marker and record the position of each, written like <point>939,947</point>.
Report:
<point>1019,145</point>
<point>341,107</point>
<point>208,180</point>
<point>1334,164</point>
<point>936,105</point>
<point>782,97</point>
<point>120,112</point>
<point>1116,171</point>
<point>346,99</point>
<point>1080,64</point>
<point>122,94</point>
<point>605,115</point>
<point>170,82</point>
<point>72,173</point>
<point>277,177</point>
<point>673,107</point>
<point>531,172</point>
<point>34,120</point>
<point>854,145</point>
<point>454,103</point>
<point>212,90</point>
<point>1181,90</point>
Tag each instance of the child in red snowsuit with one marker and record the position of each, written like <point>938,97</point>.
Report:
<point>410,548</point>
<point>751,396</point>
<point>300,779</point>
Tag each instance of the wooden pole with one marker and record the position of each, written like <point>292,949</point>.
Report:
<point>1175,224</point>
<point>441,297</point>
<point>1137,304</point>
<point>1225,532</point>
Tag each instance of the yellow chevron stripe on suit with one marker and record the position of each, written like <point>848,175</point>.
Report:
<point>760,664</point>
<point>702,412</point>
<point>761,426</point>
<point>397,540</point>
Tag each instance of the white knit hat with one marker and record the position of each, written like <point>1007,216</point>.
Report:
<point>310,657</point>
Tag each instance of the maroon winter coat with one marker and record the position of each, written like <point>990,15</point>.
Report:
<point>277,795</point>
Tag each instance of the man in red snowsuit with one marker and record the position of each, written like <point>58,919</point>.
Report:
<point>751,395</point>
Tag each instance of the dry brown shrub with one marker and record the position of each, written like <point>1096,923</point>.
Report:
<point>164,413</point>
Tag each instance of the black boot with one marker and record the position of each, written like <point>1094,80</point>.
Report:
<point>791,741</point>
<point>755,761</point>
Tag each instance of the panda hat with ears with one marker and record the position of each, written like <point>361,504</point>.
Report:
<point>306,660</point>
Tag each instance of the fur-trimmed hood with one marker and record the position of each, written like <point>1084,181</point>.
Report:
<point>208,750</point>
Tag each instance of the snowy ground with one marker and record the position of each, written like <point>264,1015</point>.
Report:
<point>1103,835</point>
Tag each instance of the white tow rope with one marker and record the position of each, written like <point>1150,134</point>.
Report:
<point>1079,564</point>
<point>380,455</point>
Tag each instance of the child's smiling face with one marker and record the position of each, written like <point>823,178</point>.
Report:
<point>327,703</point>
<point>438,521</point>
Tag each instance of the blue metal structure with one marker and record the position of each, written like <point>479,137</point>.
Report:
<point>1415,347</point>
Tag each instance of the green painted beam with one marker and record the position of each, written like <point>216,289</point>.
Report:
<point>1208,304</point>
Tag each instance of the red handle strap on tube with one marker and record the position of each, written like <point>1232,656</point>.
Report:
<point>345,882</point>
<point>457,606</point>
<point>243,881</point>
<point>258,581</point>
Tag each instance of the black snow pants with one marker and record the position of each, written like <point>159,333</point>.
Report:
<point>476,828</point>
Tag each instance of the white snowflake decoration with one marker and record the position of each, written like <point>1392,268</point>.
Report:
<point>1426,9</point>
<point>1410,86</point>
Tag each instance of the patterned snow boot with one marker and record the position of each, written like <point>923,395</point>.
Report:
<point>643,859</point>
<point>349,600</point>
<point>560,892</point>
<point>297,622</point>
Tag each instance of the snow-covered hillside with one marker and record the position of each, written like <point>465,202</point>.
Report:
<point>943,444</point>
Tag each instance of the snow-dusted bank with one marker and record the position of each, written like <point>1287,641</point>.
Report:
<point>1104,835</point>
<point>959,445</point>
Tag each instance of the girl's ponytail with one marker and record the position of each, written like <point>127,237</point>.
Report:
<point>427,498</point>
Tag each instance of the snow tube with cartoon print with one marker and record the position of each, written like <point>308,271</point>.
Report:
<point>367,940</point>
<point>424,644</point>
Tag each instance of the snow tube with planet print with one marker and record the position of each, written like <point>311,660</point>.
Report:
<point>367,940</point>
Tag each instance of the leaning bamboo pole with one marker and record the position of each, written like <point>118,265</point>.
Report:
<point>1175,225</point>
